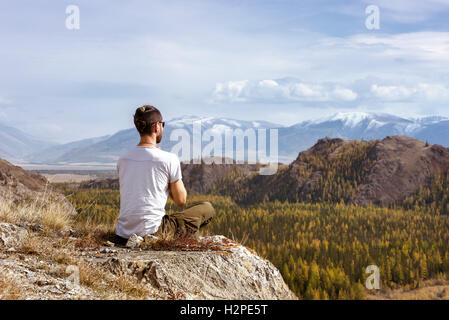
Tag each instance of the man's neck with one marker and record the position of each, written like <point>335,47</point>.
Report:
<point>147,141</point>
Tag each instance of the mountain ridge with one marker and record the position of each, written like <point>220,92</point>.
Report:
<point>381,172</point>
<point>297,137</point>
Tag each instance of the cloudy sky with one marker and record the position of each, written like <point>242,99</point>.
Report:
<point>280,61</point>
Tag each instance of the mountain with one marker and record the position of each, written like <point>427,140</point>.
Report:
<point>109,149</point>
<point>197,178</point>
<point>15,144</point>
<point>434,131</point>
<point>361,125</point>
<point>388,171</point>
<point>14,177</point>
<point>49,155</point>
<point>291,139</point>
<point>200,178</point>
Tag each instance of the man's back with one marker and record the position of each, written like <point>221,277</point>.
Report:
<point>144,175</point>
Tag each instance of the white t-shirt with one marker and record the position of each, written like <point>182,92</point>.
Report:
<point>144,176</point>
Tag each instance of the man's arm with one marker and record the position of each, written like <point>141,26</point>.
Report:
<point>178,193</point>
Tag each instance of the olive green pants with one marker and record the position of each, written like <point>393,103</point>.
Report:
<point>187,222</point>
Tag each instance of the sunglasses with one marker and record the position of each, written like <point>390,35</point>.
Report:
<point>163,123</point>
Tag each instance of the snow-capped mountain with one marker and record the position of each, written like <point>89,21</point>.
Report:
<point>292,139</point>
<point>365,120</point>
<point>361,125</point>
<point>108,150</point>
<point>186,121</point>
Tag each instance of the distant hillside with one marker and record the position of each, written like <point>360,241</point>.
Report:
<point>197,178</point>
<point>15,144</point>
<point>53,153</point>
<point>382,172</point>
<point>292,139</point>
<point>110,149</point>
<point>12,176</point>
<point>200,178</point>
<point>22,186</point>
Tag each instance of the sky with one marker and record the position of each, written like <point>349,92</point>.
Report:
<point>280,61</point>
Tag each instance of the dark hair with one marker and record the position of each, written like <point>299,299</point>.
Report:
<point>144,117</point>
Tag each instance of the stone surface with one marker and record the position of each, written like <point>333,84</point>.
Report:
<point>134,241</point>
<point>11,236</point>
<point>204,268</point>
<point>38,283</point>
<point>234,273</point>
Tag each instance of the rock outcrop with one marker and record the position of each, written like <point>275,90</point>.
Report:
<point>210,268</point>
<point>402,164</point>
<point>24,186</point>
<point>234,272</point>
<point>11,236</point>
<point>388,171</point>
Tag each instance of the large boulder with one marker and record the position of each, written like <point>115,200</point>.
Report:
<point>234,273</point>
<point>11,236</point>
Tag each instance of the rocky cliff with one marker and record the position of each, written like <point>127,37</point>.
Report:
<point>45,254</point>
<point>34,266</point>
<point>23,186</point>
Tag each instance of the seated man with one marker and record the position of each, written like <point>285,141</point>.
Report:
<point>147,176</point>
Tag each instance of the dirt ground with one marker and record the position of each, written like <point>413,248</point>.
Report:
<point>68,177</point>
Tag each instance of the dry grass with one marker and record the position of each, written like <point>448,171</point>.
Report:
<point>433,289</point>
<point>109,285</point>
<point>48,213</point>
<point>63,252</point>
<point>181,244</point>
<point>10,290</point>
<point>29,245</point>
<point>242,241</point>
<point>52,216</point>
<point>128,285</point>
<point>99,232</point>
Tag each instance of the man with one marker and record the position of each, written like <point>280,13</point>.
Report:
<point>147,176</point>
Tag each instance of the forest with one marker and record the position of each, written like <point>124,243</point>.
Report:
<point>322,249</point>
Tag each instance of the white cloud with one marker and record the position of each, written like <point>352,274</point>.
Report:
<point>268,84</point>
<point>290,90</point>
<point>391,92</point>
<point>433,91</point>
<point>345,94</point>
<point>308,92</point>
<point>230,91</point>
<point>280,91</point>
<point>211,43</point>
<point>420,92</point>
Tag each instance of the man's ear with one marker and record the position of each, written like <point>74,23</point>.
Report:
<point>156,128</point>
